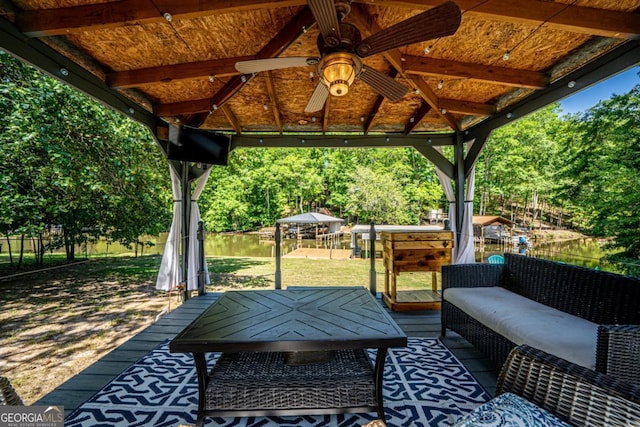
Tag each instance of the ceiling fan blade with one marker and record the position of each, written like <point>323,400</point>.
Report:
<point>257,65</point>
<point>327,18</point>
<point>440,21</point>
<point>383,84</point>
<point>318,98</point>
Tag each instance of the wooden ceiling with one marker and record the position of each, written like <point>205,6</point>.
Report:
<point>175,59</point>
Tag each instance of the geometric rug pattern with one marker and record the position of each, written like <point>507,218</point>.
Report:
<point>424,385</point>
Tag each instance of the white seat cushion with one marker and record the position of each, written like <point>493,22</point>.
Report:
<point>524,321</point>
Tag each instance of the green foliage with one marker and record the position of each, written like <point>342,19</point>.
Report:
<point>520,162</point>
<point>261,185</point>
<point>603,148</point>
<point>65,160</point>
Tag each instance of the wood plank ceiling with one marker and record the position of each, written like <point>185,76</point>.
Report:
<point>176,58</point>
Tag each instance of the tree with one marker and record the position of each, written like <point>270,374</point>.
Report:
<point>602,172</point>
<point>518,166</point>
<point>68,161</point>
<point>376,197</point>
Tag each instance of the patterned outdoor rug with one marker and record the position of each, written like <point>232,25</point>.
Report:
<point>424,385</point>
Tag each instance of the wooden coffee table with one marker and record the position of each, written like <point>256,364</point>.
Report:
<point>290,352</point>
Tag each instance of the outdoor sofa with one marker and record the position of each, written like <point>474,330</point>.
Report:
<point>538,389</point>
<point>587,317</point>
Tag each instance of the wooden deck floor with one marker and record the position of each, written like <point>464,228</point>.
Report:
<point>74,392</point>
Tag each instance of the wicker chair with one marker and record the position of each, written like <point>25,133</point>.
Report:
<point>619,352</point>
<point>8,395</point>
<point>577,395</point>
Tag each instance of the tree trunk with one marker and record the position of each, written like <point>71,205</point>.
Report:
<point>20,257</point>
<point>69,246</point>
<point>10,251</point>
<point>268,202</point>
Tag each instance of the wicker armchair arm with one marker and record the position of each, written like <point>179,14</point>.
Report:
<point>8,395</point>
<point>471,275</point>
<point>618,352</point>
<point>575,394</point>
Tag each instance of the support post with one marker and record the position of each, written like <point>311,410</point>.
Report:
<point>201,275</point>
<point>372,259</point>
<point>186,208</point>
<point>459,181</point>
<point>278,257</point>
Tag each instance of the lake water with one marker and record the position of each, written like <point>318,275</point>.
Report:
<point>586,252</point>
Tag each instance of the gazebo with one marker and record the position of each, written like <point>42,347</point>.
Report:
<point>313,218</point>
<point>492,228</point>
<point>210,77</point>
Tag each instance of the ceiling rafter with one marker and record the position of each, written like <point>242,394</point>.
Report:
<point>233,120</point>
<point>66,20</point>
<point>427,94</point>
<point>224,67</point>
<point>420,113</point>
<point>369,26</point>
<point>274,101</point>
<point>377,105</point>
<point>325,118</point>
<point>485,73</point>
<point>287,35</point>
<point>229,89</point>
<point>560,16</point>
<point>74,19</point>
<point>465,107</point>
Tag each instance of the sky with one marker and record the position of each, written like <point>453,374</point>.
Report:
<point>618,84</point>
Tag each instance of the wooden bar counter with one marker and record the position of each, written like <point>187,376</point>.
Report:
<point>414,252</point>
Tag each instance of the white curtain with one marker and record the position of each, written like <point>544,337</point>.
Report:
<point>466,248</point>
<point>464,252</point>
<point>170,275</point>
<point>194,244</point>
<point>447,187</point>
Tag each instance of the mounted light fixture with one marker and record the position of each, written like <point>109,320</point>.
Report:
<point>338,71</point>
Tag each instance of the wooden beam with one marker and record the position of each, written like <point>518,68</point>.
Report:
<point>369,26</point>
<point>559,16</point>
<point>194,120</point>
<point>422,111</point>
<point>376,106</point>
<point>235,123</point>
<point>74,19</point>
<point>191,70</point>
<point>183,108</point>
<point>287,35</point>
<point>67,20</point>
<point>483,73</point>
<point>274,101</point>
<point>617,60</point>
<point>327,110</point>
<point>427,94</point>
<point>468,108</point>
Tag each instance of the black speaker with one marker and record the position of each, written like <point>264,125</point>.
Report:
<point>197,145</point>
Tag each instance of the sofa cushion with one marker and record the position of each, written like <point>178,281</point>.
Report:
<point>509,410</point>
<point>524,321</point>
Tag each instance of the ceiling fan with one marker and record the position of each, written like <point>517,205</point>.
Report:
<point>342,49</point>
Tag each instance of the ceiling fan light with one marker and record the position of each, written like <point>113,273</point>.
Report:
<point>338,73</point>
<point>339,76</point>
<point>339,88</point>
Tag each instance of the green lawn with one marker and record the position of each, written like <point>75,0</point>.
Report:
<point>238,273</point>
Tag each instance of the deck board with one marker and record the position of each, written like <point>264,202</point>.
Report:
<point>75,391</point>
